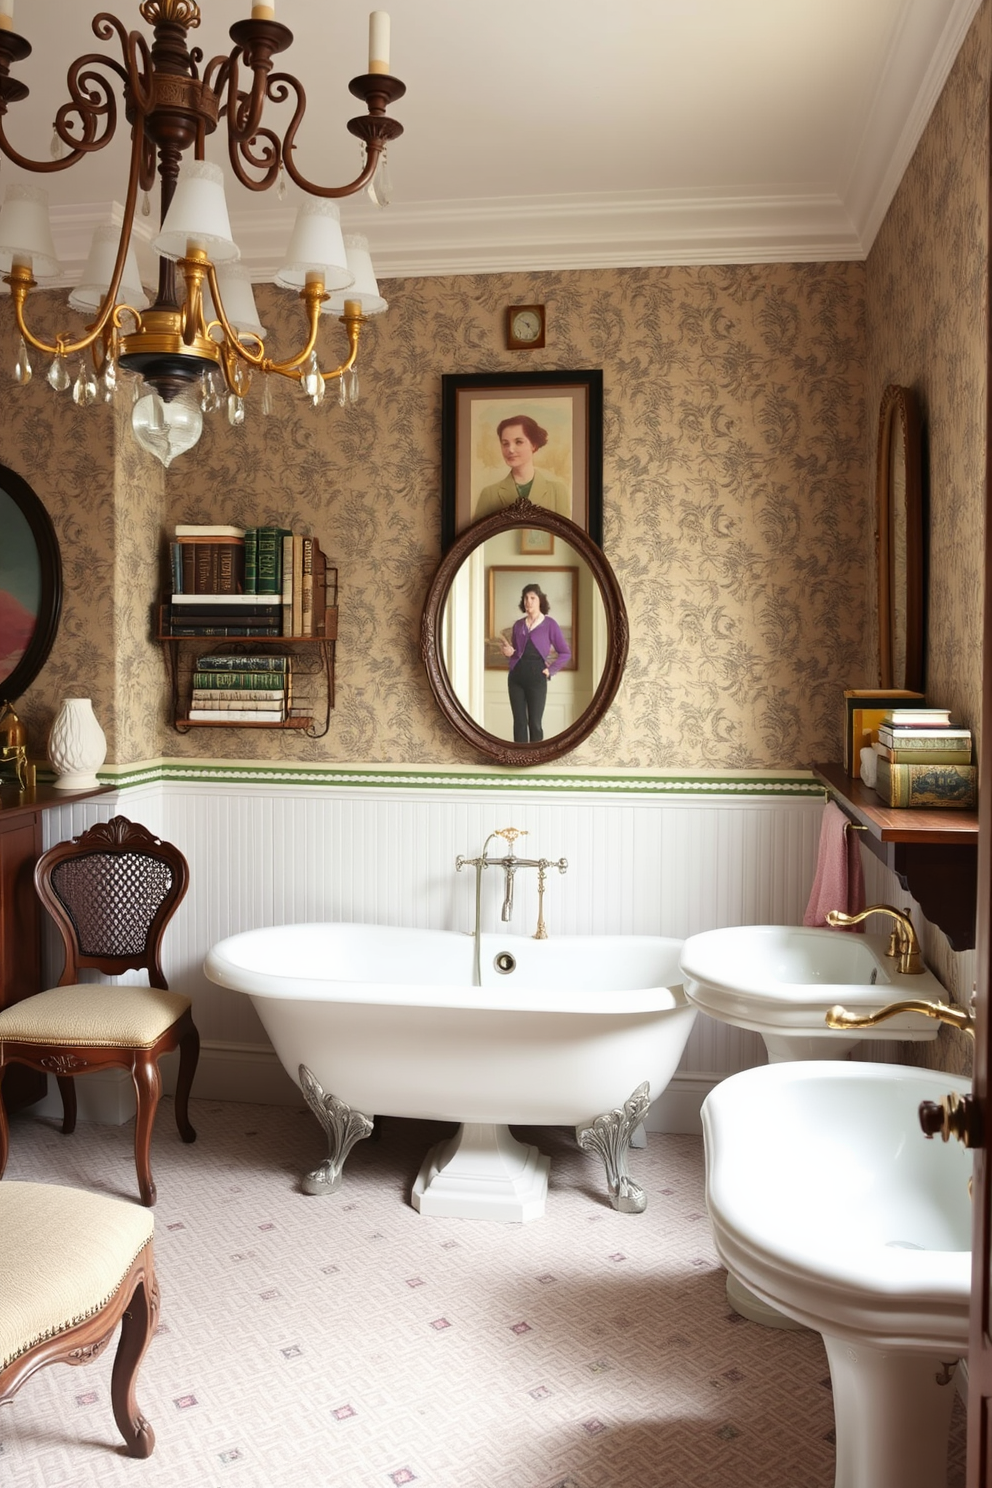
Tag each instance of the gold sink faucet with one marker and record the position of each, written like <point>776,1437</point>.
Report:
<point>957,1017</point>
<point>902,942</point>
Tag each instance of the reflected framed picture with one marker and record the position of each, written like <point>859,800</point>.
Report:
<point>536,434</point>
<point>30,585</point>
<point>504,589</point>
<point>533,540</point>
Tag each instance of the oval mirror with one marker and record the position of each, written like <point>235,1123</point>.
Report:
<point>475,599</point>
<point>899,483</point>
<point>30,585</point>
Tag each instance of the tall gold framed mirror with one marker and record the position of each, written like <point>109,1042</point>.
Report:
<point>899,495</point>
<point>475,599</point>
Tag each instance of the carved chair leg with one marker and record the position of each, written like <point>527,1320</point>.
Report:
<point>137,1329</point>
<point>147,1090</point>
<point>189,1054</point>
<point>67,1089</point>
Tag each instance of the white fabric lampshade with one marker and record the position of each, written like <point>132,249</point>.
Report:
<point>316,247</point>
<point>26,232</point>
<point>364,289</point>
<point>197,216</point>
<point>89,293</point>
<point>234,283</point>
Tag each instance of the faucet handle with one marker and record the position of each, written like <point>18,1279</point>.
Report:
<point>509,834</point>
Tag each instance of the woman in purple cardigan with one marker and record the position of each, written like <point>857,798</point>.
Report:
<point>535,638</point>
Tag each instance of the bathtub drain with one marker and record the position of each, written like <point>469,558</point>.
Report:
<point>505,962</point>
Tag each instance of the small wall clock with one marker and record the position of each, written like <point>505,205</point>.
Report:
<point>524,327</point>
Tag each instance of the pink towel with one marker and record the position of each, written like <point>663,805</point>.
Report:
<point>839,881</point>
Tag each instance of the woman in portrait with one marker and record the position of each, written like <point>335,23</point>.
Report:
<point>535,637</point>
<point>520,438</point>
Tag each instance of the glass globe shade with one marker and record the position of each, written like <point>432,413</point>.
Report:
<point>166,430</point>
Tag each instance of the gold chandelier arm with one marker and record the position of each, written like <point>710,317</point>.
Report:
<point>21,281</point>
<point>233,349</point>
<point>352,320</point>
<point>352,323</point>
<point>313,296</point>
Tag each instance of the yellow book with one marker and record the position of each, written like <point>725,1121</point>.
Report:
<point>865,708</point>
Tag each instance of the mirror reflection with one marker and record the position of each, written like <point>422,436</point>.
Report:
<point>900,541</point>
<point>524,635</point>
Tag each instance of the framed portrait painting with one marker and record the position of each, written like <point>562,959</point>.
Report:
<point>30,585</point>
<point>539,434</point>
<point>560,583</point>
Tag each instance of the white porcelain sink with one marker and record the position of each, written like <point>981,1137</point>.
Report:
<point>830,1205</point>
<point>780,981</point>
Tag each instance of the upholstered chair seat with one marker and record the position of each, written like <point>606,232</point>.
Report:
<point>111,892</point>
<point>72,1266</point>
<point>93,1014</point>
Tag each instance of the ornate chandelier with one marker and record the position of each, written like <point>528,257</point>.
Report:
<point>198,346</point>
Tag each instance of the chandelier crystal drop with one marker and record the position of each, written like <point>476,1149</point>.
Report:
<point>23,371</point>
<point>58,375</point>
<point>195,348</point>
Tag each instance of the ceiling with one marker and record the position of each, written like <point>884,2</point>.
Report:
<point>550,134</point>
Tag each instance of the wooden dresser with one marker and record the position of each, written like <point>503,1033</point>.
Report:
<point>21,912</point>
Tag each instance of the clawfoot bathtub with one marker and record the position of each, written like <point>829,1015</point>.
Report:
<point>373,1020</point>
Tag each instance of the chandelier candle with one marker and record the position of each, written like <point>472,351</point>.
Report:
<point>378,41</point>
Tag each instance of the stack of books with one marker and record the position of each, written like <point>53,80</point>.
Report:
<point>208,559</point>
<point>241,689</point>
<point>261,581</point>
<point>923,760</point>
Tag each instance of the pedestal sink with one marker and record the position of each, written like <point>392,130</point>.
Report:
<point>829,1203</point>
<point>780,981</point>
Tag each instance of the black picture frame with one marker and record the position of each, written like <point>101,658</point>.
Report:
<point>473,403</point>
<point>30,585</point>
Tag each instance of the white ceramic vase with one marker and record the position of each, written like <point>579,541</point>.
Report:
<point>77,745</point>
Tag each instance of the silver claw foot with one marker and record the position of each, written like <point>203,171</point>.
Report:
<point>344,1127</point>
<point>610,1136</point>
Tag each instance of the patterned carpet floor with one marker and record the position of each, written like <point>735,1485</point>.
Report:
<point>347,1342</point>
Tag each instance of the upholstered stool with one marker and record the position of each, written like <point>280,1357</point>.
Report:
<point>72,1266</point>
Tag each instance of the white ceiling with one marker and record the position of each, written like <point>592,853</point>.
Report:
<point>546,134</point>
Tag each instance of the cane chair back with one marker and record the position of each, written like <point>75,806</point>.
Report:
<point>111,892</point>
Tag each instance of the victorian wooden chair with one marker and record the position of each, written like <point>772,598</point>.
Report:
<point>111,893</point>
<point>72,1266</point>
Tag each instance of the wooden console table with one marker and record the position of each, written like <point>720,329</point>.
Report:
<point>20,911</point>
<point>933,853</point>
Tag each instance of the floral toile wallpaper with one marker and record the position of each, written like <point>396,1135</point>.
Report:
<point>927,329</point>
<point>740,406</point>
<point>926,278</point>
<point>734,497</point>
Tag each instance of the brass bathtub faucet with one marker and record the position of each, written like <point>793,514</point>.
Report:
<point>902,942</point>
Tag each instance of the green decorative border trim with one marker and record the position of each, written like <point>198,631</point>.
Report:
<point>781,783</point>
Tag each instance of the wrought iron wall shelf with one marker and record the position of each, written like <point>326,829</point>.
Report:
<point>312,673</point>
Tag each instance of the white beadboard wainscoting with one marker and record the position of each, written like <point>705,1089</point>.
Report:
<point>640,862</point>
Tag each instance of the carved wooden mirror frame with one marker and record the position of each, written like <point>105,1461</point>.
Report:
<point>523,515</point>
<point>31,556</point>
<point>899,494</point>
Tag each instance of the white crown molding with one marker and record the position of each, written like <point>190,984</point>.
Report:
<point>922,52</point>
<point>599,230</point>
<point>527,234</point>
